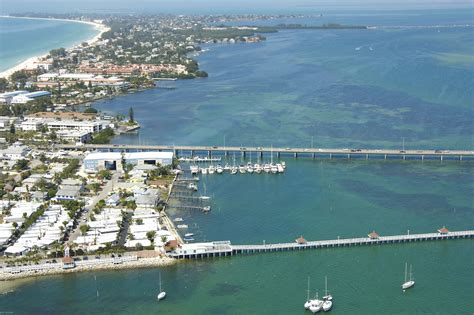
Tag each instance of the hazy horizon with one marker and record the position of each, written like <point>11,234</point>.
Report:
<point>219,6</point>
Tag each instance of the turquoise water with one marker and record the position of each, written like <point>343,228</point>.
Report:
<point>360,88</point>
<point>21,39</point>
<point>414,84</point>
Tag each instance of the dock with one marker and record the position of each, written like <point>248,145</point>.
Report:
<point>321,153</point>
<point>225,248</point>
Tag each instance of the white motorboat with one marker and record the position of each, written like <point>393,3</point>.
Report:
<point>188,239</point>
<point>211,169</point>
<point>194,169</point>
<point>408,282</point>
<point>242,169</point>
<point>189,235</point>
<point>178,220</point>
<point>219,169</point>
<point>257,168</point>
<point>233,170</point>
<point>193,186</point>
<point>182,226</point>
<point>267,168</point>
<point>204,170</point>
<point>274,168</point>
<point>280,168</point>
<point>283,163</point>
<point>249,168</point>
<point>162,293</point>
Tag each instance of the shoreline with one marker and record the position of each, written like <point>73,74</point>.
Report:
<point>28,63</point>
<point>162,261</point>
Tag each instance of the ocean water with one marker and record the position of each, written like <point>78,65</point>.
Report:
<point>21,39</point>
<point>341,88</point>
<point>415,83</point>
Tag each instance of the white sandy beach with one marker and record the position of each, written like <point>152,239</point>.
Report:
<point>30,62</point>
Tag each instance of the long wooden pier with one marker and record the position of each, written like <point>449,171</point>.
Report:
<point>225,248</point>
<point>384,154</point>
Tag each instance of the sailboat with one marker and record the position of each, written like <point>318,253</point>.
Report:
<point>233,170</point>
<point>408,282</point>
<point>307,304</point>
<point>327,298</point>
<point>162,293</point>
<point>316,304</point>
<point>273,167</point>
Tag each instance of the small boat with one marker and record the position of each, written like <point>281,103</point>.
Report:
<point>233,170</point>
<point>274,168</point>
<point>283,163</point>
<point>188,239</point>
<point>257,168</point>
<point>162,293</point>
<point>194,169</point>
<point>193,186</point>
<point>316,305</point>
<point>211,169</point>
<point>408,282</point>
<point>206,209</point>
<point>267,168</point>
<point>178,220</point>
<point>249,168</point>
<point>327,305</point>
<point>204,170</point>
<point>189,235</point>
<point>182,226</point>
<point>219,169</point>
<point>280,168</point>
<point>327,298</point>
<point>242,169</point>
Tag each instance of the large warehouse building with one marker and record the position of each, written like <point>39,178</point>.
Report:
<point>96,161</point>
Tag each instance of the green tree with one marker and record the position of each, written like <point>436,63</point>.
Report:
<point>130,115</point>
<point>150,235</point>
<point>90,110</point>
<point>84,229</point>
<point>3,84</point>
<point>21,164</point>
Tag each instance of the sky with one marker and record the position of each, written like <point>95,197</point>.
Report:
<point>219,6</point>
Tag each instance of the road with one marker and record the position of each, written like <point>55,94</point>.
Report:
<point>103,194</point>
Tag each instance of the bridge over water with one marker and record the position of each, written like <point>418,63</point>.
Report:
<point>384,154</point>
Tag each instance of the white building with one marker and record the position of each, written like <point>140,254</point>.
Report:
<point>14,152</point>
<point>96,161</point>
<point>75,136</point>
<point>25,98</point>
<point>8,96</point>
<point>87,126</point>
<point>30,125</point>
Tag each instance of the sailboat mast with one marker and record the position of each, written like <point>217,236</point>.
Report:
<point>411,273</point>
<point>406,269</point>
<point>160,281</point>
<point>308,290</point>
<point>326,284</point>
